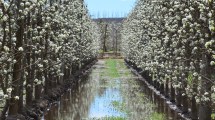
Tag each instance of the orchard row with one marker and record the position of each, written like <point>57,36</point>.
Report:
<point>42,43</point>
<point>173,43</point>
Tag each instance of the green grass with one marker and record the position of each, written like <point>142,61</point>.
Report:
<point>127,73</point>
<point>110,118</point>
<point>157,116</point>
<point>101,51</point>
<point>213,116</point>
<point>109,51</point>
<point>120,106</point>
<point>140,94</point>
<point>110,72</point>
<point>121,63</point>
<point>111,68</point>
<point>123,67</point>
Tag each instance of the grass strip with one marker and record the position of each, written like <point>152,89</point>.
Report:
<point>111,70</point>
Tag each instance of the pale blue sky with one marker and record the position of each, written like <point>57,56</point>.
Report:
<point>109,8</point>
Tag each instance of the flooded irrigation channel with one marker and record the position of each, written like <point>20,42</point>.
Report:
<point>110,92</point>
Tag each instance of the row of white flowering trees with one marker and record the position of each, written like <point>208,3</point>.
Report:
<point>173,42</point>
<point>42,43</point>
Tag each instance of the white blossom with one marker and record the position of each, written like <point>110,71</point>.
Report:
<point>16,97</point>
<point>6,96</point>
<point>20,49</point>
<point>6,48</point>
<point>9,90</point>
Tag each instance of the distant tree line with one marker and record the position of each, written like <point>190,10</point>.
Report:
<point>110,34</point>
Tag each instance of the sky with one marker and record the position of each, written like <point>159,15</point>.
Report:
<point>109,8</point>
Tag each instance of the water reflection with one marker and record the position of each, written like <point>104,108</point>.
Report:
<point>91,99</point>
<point>101,107</point>
<point>161,105</point>
<point>98,96</point>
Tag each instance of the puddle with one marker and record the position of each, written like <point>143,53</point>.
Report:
<point>110,92</point>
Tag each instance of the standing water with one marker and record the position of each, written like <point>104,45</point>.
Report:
<point>110,92</point>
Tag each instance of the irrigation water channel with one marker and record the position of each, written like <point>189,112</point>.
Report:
<point>110,92</point>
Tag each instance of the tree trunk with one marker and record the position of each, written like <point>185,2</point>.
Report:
<point>185,104</point>
<point>29,81</point>
<point>162,88</point>
<point>105,38</point>
<point>172,93</point>
<point>38,87</point>
<point>205,109</point>
<point>167,88</point>
<point>184,97</point>
<point>47,84</point>
<point>17,69</point>
<point>178,97</point>
<point>194,110</point>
